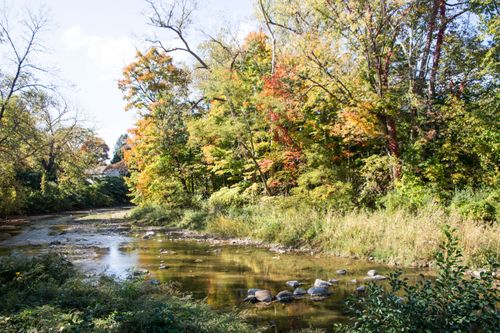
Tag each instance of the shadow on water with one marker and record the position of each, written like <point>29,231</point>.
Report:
<point>219,274</point>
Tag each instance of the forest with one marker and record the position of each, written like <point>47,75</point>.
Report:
<point>333,116</point>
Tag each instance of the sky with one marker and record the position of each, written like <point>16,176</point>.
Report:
<point>90,41</point>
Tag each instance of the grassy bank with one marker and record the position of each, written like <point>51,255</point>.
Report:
<point>47,294</point>
<point>397,235</point>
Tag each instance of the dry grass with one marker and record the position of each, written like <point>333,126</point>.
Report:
<point>393,237</point>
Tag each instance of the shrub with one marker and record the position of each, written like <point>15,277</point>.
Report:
<point>454,302</point>
<point>319,189</point>
<point>409,194</point>
<point>482,205</point>
<point>376,179</point>
<point>228,198</point>
<point>155,215</point>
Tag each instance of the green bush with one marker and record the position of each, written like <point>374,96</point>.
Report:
<point>47,294</point>
<point>319,189</point>
<point>226,198</point>
<point>155,215</point>
<point>453,302</point>
<point>105,192</point>
<point>409,194</point>
<point>482,205</point>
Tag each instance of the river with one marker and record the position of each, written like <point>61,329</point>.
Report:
<point>102,242</point>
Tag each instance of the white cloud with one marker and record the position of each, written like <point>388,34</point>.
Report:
<point>108,53</point>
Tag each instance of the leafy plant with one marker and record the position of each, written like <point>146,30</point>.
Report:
<point>453,302</point>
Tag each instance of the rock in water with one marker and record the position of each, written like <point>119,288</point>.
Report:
<point>322,283</point>
<point>252,291</point>
<point>293,284</point>
<point>139,272</point>
<point>284,296</point>
<point>250,299</point>
<point>318,292</point>
<point>333,281</point>
<point>263,296</point>
<point>371,273</point>
<point>148,235</point>
<point>299,292</point>
<point>341,272</point>
<point>163,267</point>
<point>361,289</point>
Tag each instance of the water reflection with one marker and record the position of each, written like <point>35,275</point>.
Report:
<point>222,275</point>
<point>219,274</point>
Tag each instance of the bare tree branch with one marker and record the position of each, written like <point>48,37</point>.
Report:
<point>169,19</point>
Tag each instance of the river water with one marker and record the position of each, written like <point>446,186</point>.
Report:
<point>101,242</point>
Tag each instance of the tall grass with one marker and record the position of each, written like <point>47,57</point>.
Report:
<point>394,236</point>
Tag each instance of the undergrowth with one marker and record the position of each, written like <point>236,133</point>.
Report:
<point>47,294</point>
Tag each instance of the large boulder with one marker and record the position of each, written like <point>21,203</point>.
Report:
<point>252,291</point>
<point>318,292</point>
<point>293,283</point>
<point>322,283</point>
<point>263,296</point>
<point>284,296</point>
<point>299,292</point>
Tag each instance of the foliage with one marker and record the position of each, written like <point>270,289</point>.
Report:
<point>478,205</point>
<point>335,104</point>
<point>453,302</point>
<point>409,193</point>
<point>47,294</point>
<point>228,197</point>
<point>105,192</point>
<point>120,146</point>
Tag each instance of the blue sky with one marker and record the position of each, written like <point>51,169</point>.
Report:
<point>90,41</point>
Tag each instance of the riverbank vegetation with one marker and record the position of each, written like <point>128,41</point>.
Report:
<point>358,127</point>
<point>454,302</point>
<point>48,294</point>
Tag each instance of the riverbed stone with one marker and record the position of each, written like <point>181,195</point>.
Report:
<point>284,296</point>
<point>361,289</point>
<point>341,272</point>
<point>163,267</point>
<point>333,281</point>
<point>263,296</point>
<point>322,283</point>
<point>252,291</point>
<point>318,292</point>
<point>293,283</point>
<point>198,261</point>
<point>371,272</point>
<point>148,235</point>
<point>299,292</point>
<point>250,299</point>
<point>140,271</point>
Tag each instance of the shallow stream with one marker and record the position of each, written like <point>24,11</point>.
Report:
<point>216,271</point>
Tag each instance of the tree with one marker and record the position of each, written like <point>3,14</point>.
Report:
<point>23,76</point>
<point>158,89</point>
<point>119,148</point>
